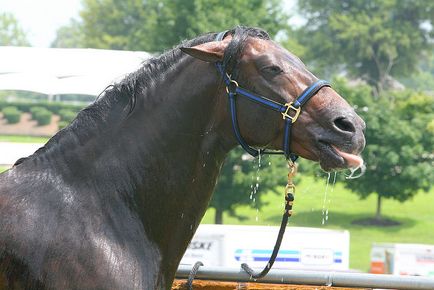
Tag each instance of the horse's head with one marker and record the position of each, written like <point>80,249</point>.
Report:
<point>327,130</point>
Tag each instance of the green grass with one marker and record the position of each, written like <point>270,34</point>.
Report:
<point>23,139</point>
<point>416,216</point>
<point>3,168</point>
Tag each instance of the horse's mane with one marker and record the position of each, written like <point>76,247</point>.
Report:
<point>154,68</point>
<point>97,117</point>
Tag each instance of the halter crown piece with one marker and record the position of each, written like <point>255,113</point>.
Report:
<point>290,111</point>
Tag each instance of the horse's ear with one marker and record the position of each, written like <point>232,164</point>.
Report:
<point>209,52</point>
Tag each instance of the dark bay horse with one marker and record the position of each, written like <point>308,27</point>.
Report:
<point>112,201</point>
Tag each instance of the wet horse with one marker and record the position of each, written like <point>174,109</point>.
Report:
<point>112,200</point>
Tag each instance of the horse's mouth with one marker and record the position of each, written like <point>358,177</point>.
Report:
<point>332,158</point>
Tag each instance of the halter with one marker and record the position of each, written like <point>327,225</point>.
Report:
<point>290,111</point>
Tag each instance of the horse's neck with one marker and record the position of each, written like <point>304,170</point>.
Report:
<point>164,157</point>
<point>181,153</point>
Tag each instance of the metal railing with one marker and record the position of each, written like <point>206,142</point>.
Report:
<point>320,278</point>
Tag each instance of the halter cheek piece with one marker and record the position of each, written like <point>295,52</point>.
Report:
<point>290,111</point>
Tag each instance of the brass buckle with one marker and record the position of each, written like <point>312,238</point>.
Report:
<point>290,107</point>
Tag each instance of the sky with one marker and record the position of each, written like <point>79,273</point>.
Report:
<point>40,19</point>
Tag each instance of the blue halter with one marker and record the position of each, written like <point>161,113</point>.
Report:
<point>290,111</point>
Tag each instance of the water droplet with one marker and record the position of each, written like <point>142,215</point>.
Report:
<point>259,160</point>
<point>334,181</point>
<point>325,199</point>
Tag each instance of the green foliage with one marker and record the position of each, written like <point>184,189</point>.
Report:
<point>54,107</point>
<point>69,36</point>
<point>423,79</point>
<point>372,40</point>
<point>41,115</point>
<point>290,41</point>
<point>63,124</point>
<point>11,32</point>
<point>11,114</point>
<point>156,25</point>
<point>400,145</point>
<point>242,181</point>
<point>67,115</point>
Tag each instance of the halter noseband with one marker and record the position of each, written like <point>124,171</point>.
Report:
<point>290,111</point>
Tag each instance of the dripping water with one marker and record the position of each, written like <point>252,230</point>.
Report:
<point>254,187</point>
<point>258,179</point>
<point>354,170</point>
<point>324,217</point>
<point>325,210</point>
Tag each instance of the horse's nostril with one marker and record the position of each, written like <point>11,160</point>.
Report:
<point>344,124</point>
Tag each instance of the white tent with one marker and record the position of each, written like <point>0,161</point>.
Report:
<point>55,71</point>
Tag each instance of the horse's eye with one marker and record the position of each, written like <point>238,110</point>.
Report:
<point>272,70</point>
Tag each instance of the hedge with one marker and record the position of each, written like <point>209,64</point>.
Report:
<point>67,115</point>
<point>41,115</point>
<point>11,114</point>
<point>63,124</point>
<point>53,107</point>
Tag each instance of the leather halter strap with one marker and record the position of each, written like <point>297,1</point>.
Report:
<point>290,111</point>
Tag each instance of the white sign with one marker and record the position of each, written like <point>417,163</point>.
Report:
<point>302,248</point>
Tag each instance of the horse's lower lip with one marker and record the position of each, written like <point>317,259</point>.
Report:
<point>329,158</point>
<point>353,161</point>
<point>336,158</point>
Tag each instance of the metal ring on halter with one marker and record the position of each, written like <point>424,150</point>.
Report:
<point>231,88</point>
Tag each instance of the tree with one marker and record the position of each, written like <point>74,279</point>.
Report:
<point>400,143</point>
<point>69,36</point>
<point>372,40</point>
<point>244,181</point>
<point>11,32</point>
<point>423,79</point>
<point>155,25</point>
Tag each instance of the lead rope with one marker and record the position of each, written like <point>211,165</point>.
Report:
<point>289,200</point>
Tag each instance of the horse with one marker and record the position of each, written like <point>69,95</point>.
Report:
<point>113,200</point>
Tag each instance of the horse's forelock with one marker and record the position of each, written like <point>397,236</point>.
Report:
<point>236,47</point>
